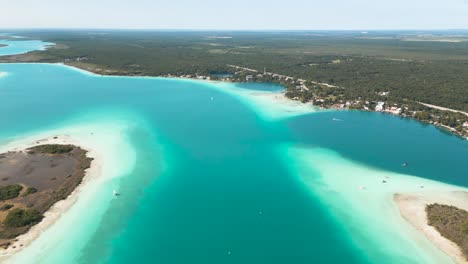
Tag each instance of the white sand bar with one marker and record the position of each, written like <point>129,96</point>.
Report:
<point>70,223</point>
<point>362,201</point>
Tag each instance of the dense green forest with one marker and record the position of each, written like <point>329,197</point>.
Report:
<point>429,67</point>
<point>451,222</point>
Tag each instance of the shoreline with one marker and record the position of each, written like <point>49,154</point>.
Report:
<point>285,101</point>
<point>366,195</point>
<point>61,207</point>
<point>412,208</point>
<point>209,81</point>
<point>86,177</point>
<point>276,103</point>
<point>269,104</point>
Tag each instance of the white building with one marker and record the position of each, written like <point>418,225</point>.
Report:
<point>380,106</point>
<point>394,110</point>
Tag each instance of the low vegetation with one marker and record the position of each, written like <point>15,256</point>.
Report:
<point>6,207</point>
<point>24,205</point>
<point>10,191</point>
<point>51,149</point>
<point>30,190</point>
<point>20,217</point>
<point>451,222</point>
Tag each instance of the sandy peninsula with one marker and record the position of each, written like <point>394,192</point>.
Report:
<point>413,209</point>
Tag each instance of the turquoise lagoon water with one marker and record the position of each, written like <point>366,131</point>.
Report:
<point>23,46</point>
<point>267,87</point>
<point>208,184</point>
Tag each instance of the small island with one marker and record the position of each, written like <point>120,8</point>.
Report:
<point>451,222</point>
<point>441,216</point>
<point>32,181</point>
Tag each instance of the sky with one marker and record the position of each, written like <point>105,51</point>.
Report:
<point>236,14</point>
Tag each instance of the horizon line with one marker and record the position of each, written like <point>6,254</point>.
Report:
<point>227,29</point>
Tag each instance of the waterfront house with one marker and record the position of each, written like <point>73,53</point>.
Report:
<point>380,106</point>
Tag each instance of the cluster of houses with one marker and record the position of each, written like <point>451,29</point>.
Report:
<point>301,84</point>
<point>394,110</point>
<point>80,58</point>
<point>188,76</point>
<point>379,107</point>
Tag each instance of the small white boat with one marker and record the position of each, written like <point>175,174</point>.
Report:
<point>115,193</point>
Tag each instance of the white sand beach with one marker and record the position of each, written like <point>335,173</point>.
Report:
<point>103,141</point>
<point>270,105</point>
<point>412,208</point>
<point>362,194</point>
<point>62,206</point>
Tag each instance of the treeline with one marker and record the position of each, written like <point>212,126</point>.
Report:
<point>451,222</point>
<point>429,72</point>
<point>443,83</point>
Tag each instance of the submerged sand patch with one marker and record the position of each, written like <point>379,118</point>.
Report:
<point>268,104</point>
<point>361,199</point>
